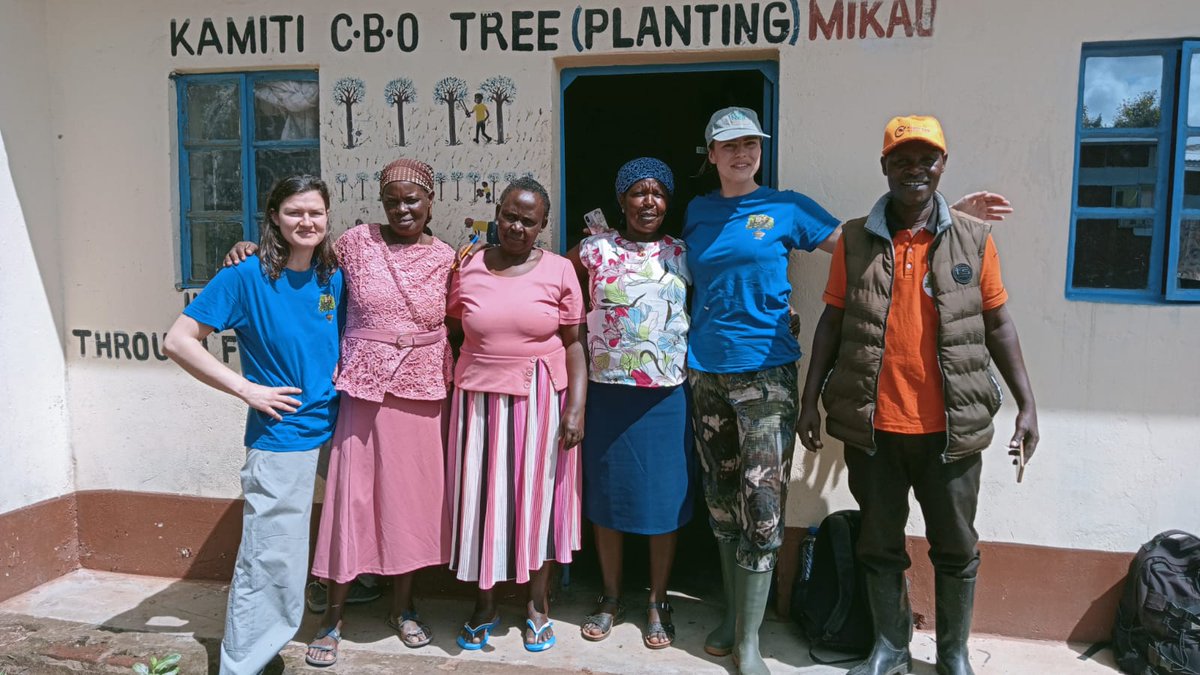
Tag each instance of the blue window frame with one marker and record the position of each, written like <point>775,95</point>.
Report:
<point>1183,268</point>
<point>1135,204</point>
<point>238,134</point>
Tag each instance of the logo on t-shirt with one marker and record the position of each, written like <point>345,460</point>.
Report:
<point>759,223</point>
<point>326,304</point>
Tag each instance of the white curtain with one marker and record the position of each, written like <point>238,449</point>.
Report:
<point>296,100</point>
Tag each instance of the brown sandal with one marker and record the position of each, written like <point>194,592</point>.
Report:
<point>411,638</point>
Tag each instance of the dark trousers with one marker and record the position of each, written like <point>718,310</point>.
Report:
<point>948,495</point>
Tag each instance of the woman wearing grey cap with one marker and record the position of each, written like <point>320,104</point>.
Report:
<point>742,361</point>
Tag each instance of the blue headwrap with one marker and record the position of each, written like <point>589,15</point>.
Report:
<point>640,169</point>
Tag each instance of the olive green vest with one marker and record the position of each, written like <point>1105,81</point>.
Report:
<point>972,395</point>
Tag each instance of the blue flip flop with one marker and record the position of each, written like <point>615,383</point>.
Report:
<point>537,633</point>
<point>486,628</point>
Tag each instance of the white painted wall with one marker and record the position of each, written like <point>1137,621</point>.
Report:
<point>1115,383</point>
<point>34,449</point>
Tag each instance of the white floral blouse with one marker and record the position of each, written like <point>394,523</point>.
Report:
<point>638,323</point>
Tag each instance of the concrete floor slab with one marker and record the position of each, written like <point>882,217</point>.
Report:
<point>191,610</point>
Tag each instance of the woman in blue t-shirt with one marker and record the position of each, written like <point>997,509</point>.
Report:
<point>285,308</point>
<point>742,354</point>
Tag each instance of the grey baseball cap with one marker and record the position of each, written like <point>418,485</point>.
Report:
<point>733,122</point>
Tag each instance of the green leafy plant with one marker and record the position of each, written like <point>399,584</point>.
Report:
<point>168,666</point>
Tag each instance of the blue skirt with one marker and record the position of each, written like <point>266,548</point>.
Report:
<point>638,463</point>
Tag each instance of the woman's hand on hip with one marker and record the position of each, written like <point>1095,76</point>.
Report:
<point>270,401</point>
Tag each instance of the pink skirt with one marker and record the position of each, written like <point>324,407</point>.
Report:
<point>385,510</point>
<point>515,495</point>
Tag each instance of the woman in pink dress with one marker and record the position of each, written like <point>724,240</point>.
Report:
<point>517,417</point>
<point>385,511</point>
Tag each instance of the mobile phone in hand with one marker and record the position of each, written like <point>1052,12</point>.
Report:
<point>596,224</point>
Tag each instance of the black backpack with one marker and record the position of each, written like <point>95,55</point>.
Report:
<point>1158,619</point>
<point>829,598</point>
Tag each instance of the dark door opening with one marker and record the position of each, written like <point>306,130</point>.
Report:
<point>610,116</point>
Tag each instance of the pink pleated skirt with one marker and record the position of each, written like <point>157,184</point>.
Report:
<point>385,506</point>
<point>515,496</point>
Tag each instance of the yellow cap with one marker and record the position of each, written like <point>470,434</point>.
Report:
<point>913,128</point>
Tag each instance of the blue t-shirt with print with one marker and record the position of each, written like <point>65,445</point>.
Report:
<point>287,332</point>
<point>738,253</point>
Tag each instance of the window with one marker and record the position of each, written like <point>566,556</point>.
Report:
<point>238,134</point>
<point>1135,216</point>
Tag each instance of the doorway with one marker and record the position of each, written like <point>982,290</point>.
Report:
<point>611,115</point>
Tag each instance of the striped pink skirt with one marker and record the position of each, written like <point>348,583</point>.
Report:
<point>385,509</point>
<point>515,496</point>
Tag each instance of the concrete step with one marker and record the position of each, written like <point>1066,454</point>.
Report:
<point>109,620</point>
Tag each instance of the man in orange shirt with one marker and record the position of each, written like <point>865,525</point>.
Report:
<point>915,315</point>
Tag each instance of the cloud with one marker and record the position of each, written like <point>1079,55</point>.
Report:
<point>1107,81</point>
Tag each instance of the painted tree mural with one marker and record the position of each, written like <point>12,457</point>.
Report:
<point>362,177</point>
<point>494,178</point>
<point>349,91</point>
<point>474,177</point>
<point>342,179</point>
<point>398,92</point>
<point>509,177</point>
<point>440,179</point>
<point>453,92</point>
<point>457,176</point>
<point>499,89</point>
<point>528,174</point>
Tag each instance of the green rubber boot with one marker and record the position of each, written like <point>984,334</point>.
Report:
<point>751,590</point>
<point>892,619</point>
<point>955,602</point>
<point>720,641</point>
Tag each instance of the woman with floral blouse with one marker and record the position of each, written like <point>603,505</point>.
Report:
<point>637,454</point>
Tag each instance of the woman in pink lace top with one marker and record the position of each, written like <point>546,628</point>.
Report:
<point>384,507</point>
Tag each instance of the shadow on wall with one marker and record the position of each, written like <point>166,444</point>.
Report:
<point>24,135</point>
<point>815,494</point>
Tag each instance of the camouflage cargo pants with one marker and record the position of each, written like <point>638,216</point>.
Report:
<point>745,436</point>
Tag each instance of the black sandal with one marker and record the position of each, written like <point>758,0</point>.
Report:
<point>602,620</point>
<point>658,627</point>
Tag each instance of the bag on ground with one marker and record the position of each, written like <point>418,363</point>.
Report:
<point>829,597</point>
<point>1158,619</point>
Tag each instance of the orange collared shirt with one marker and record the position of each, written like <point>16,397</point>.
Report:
<point>909,395</point>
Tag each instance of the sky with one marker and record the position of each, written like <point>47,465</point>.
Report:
<point>1107,81</point>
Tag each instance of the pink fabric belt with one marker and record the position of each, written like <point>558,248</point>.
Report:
<point>402,340</point>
